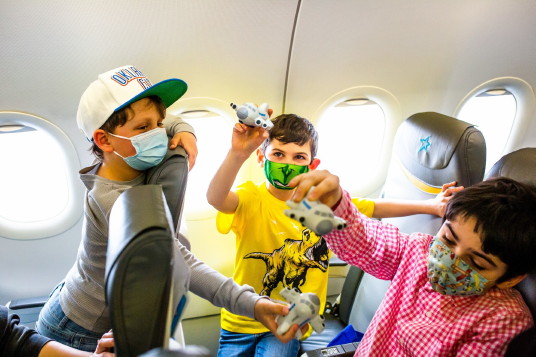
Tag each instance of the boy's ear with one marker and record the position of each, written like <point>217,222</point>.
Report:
<point>101,140</point>
<point>510,283</point>
<point>260,156</point>
<point>313,165</point>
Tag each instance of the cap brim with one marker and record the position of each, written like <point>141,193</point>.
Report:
<point>169,91</point>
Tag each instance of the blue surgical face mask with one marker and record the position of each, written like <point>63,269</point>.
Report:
<point>450,275</point>
<point>151,148</point>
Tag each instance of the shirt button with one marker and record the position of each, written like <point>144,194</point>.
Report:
<point>429,313</point>
<point>401,340</point>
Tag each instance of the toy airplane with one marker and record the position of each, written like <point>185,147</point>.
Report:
<point>315,215</point>
<point>304,309</point>
<point>250,114</point>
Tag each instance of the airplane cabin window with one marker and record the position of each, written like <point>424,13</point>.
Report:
<point>357,126</point>
<point>493,112</point>
<point>502,108</point>
<point>36,185</point>
<point>213,133</point>
<point>27,197</point>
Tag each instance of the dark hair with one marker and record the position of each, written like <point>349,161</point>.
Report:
<point>291,128</point>
<point>504,212</point>
<point>120,117</point>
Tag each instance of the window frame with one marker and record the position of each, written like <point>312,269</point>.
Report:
<point>393,118</point>
<point>525,104</point>
<point>222,108</point>
<point>73,210</point>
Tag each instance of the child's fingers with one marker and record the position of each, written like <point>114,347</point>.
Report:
<point>447,185</point>
<point>452,190</point>
<point>239,128</point>
<point>289,335</point>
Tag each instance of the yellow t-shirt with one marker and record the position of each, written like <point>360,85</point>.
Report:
<point>272,251</point>
<point>364,206</point>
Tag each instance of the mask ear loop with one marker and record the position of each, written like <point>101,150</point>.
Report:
<point>120,137</point>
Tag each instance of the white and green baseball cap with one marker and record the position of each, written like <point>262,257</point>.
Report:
<point>117,89</point>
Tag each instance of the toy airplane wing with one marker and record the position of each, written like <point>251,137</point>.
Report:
<point>317,323</point>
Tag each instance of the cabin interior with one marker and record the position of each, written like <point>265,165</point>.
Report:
<point>308,57</point>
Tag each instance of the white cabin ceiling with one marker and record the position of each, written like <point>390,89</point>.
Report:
<point>429,54</point>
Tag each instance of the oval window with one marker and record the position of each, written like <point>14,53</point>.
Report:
<point>493,112</point>
<point>37,185</point>
<point>502,109</point>
<point>213,132</point>
<point>356,126</point>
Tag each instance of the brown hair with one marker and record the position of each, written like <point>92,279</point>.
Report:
<point>291,128</point>
<point>504,212</point>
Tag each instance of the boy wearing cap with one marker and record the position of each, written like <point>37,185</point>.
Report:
<point>122,114</point>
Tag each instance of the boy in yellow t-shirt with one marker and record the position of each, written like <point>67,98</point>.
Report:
<point>272,250</point>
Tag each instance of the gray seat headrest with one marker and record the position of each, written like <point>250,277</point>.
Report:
<point>426,144</point>
<point>519,165</point>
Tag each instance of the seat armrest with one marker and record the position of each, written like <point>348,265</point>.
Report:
<point>27,303</point>
<point>345,350</point>
<point>336,262</point>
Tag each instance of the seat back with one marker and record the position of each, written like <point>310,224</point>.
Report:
<point>520,165</point>
<point>348,292</point>
<point>430,149</point>
<point>146,278</point>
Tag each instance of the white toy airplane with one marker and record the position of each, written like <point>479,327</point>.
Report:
<point>304,309</point>
<point>315,215</point>
<point>250,114</point>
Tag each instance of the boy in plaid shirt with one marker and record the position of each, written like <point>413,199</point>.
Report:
<point>450,295</point>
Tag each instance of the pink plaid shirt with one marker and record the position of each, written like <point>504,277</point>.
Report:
<point>413,319</point>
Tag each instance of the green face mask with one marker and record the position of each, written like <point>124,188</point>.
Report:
<point>279,174</point>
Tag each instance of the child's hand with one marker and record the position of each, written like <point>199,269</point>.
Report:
<point>246,139</point>
<point>188,141</point>
<point>327,190</point>
<point>105,345</point>
<point>440,201</point>
<point>266,312</point>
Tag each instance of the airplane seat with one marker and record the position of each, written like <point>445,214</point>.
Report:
<point>336,321</point>
<point>429,149</point>
<point>520,165</point>
<point>147,279</point>
<point>172,175</point>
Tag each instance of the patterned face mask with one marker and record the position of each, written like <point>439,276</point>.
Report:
<point>279,174</point>
<point>151,148</point>
<point>449,275</point>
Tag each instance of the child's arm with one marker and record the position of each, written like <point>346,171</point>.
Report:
<point>384,208</point>
<point>244,141</point>
<point>182,134</point>
<point>56,349</point>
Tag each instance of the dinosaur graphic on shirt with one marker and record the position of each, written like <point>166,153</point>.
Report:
<point>289,263</point>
